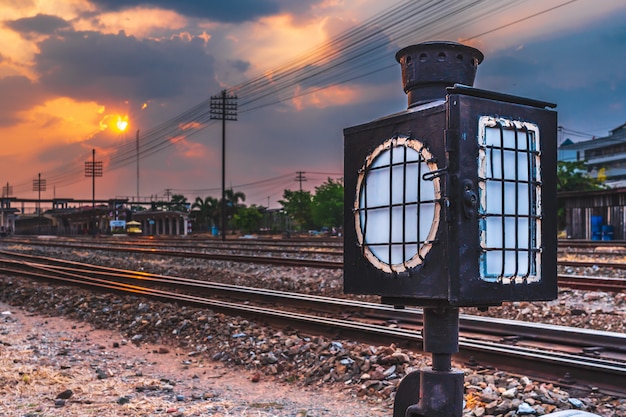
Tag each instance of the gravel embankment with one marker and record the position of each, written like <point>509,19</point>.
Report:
<point>369,374</point>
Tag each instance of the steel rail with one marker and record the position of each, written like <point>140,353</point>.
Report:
<point>239,247</point>
<point>596,370</point>
<point>616,265</point>
<point>274,260</point>
<point>190,241</point>
<point>476,349</point>
<point>502,327</point>
<point>572,281</point>
<point>582,282</point>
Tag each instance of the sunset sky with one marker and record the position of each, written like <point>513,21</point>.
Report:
<point>73,71</point>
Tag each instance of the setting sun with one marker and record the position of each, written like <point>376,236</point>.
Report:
<point>114,121</point>
<point>121,123</point>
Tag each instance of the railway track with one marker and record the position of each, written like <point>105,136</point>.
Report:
<point>575,357</point>
<point>224,255</point>
<point>316,257</point>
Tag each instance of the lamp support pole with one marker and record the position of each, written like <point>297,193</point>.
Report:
<point>435,391</point>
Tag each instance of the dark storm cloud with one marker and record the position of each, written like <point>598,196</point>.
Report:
<point>232,11</point>
<point>23,93</point>
<point>90,65</point>
<point>41,24</point>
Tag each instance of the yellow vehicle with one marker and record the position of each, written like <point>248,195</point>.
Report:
<point>133,228</point>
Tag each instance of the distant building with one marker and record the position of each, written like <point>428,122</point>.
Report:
<point>604,156</point>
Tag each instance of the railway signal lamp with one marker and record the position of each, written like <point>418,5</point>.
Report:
<point>452,201</point>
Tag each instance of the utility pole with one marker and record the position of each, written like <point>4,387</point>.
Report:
<point>137,146</point>
<point>300,177</point>
<point>7,190</point>
<point>39,185</point>
<point>224,107</point>
<point>93,169</point>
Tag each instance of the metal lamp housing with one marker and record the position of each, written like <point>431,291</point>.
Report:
<point>453,202</point>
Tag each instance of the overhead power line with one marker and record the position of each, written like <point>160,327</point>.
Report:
<point>520,20</point>
<point>358,52</point>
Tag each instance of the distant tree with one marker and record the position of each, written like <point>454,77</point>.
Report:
<point>205,212</point>
<point>247,219</point>
<point>327,205</point>
<point>232,200</point>
<point>232,204</point>
<point>297,205</point>
<point>572,176</point>
<point>179,203</point>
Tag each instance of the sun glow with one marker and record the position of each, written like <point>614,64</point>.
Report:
<point>114,121</point>
<point>121,123</point>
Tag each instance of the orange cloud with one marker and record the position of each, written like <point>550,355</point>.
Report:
<point>62,120</point>
<point>332,96</point>
<point>141,22</point>
<point>278,39</point>
<point>188,149</point>
<point>190,125</point>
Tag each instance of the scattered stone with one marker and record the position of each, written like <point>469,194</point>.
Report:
<point>525,408</point>
<point>64,395</point>
<point>123,400</point>
<point>575,402</point>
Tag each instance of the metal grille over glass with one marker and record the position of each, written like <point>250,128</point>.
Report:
<point>396,206</point>
<point>510,200</point>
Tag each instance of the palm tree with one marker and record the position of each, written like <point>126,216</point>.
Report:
<point>232,200</point>
<point>231,203</point>
<point>205,212</point>
<point>179,203</point>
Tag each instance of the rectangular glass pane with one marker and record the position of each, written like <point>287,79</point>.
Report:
<point>509,206</point>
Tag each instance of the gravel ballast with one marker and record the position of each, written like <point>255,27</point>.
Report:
<point>367,375</point>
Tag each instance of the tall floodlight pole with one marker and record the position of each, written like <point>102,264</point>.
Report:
<point>224,107</point>
<point>93,169</point>
<point>39,185</point>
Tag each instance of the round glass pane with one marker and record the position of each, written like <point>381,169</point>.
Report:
<point>396,205</point>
